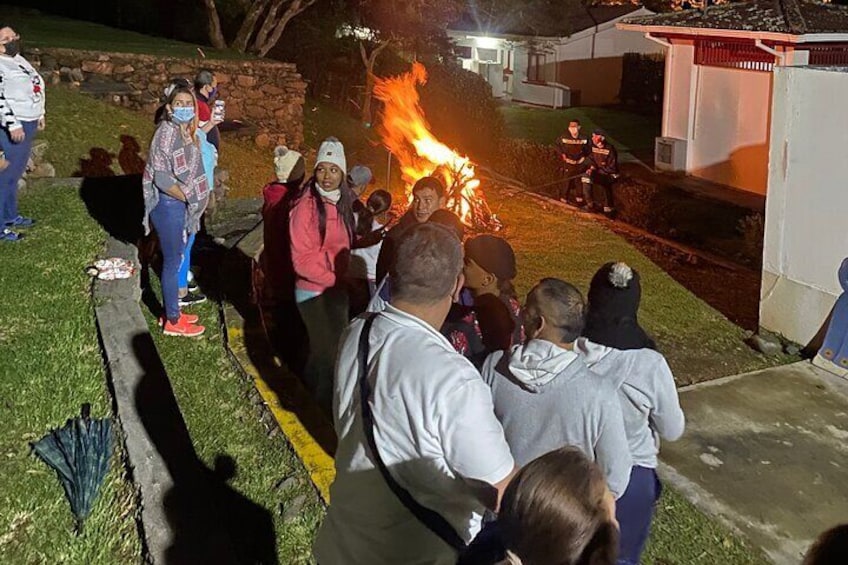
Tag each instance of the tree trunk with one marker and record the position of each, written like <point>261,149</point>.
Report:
<point>268,23</point>
<point>216,36</point>
<point>295,8</point>
<point>248,24</point>
<point>369,60</point>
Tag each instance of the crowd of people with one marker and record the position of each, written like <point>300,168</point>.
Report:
<point>453,400</point>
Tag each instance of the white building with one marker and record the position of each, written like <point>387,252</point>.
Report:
<point>755,98</point>
<point>719,79</point>
<point>583,68</point>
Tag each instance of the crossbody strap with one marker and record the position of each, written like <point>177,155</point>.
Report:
<point>431,519</point>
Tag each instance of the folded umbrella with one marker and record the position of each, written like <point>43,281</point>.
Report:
<point>79,452</point>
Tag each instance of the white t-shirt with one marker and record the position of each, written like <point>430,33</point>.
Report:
<point>435,427</point>
<point>363,261</point>
<point>21,92</point>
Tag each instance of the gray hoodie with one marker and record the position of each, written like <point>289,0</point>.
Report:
<point>546,398</point>
<point>647,392</point>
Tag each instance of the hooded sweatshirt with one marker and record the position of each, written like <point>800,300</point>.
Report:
<point>546,397</point>
<point>647,394</point>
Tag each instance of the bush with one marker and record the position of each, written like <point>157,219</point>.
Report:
<point>462,112</point>
<point>642,78</point>
<point>532,163</point>
<point>753,231</point>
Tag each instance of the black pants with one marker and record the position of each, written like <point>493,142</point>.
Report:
<point>571,185</point>
<point>606,181</point>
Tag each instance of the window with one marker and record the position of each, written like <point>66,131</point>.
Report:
<point>732,54</point>
<point>487,55</point>
<point>536,67</point>
<point>463,51</point>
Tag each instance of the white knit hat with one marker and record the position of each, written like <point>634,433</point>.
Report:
<point>332,151</point>
<point>288,164</point>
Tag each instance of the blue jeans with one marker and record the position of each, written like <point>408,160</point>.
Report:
<point>186,264</point>
<point>18,155</point>
<point>169,220</point>
<point>634,512</point>
<point>835,346</point>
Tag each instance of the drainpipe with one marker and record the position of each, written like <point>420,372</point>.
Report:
<point>666,79</point>
<point>594,33</point>
<point>758,43</point>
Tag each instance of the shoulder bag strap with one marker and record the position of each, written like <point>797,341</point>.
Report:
<point>431,519</point>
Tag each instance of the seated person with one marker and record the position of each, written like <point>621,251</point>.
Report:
<point>651,410</point>
<point>602,169</point>
<point>557,509</point>
<point>547,398</point>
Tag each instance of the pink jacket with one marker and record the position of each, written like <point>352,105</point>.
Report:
<point>316,264</point>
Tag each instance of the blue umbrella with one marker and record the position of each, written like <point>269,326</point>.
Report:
<point>79,453</point>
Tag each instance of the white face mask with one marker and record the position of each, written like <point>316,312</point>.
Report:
<point>333,195</point>
<point>574,131</point>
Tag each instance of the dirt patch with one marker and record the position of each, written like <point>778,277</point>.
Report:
<point>736,294</point>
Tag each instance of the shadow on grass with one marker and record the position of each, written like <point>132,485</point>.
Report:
<point>211,521</point>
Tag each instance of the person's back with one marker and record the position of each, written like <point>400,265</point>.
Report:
<point>433,426</point>
<point>646,391</point>
<point>545,396</point>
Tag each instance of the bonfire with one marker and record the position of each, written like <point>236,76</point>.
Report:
<point>406,134</point>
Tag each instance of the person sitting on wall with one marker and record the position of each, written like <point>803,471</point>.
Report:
<point>602,170</point>
<point>833,355</point>
<point>574,149</point>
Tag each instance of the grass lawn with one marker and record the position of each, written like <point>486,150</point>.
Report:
<point>51,365</point>
<point>43,30</point>
<point>627,130</point>
<point>699,342</point>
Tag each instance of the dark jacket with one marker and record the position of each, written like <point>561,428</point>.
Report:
<point>604,158</point>
<point>389,249</point>
<point>574,150</point>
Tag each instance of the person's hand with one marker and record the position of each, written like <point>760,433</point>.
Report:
<point>17,135</point>
<point>42,123</point>
<point>217,118</point>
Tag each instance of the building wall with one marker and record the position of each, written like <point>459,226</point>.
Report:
<point>730,139</point>
<point>540,94</point>
<point>805,239</point>
<point>678,96</point>
<point>593,82</point>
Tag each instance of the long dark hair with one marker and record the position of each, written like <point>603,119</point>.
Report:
<point>344,206</point>
<point>379,201</point>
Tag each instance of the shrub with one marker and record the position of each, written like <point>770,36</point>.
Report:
<point>642,78</point>
<point>462,112</point>
<point>753,231</point>
<point>532,163</point>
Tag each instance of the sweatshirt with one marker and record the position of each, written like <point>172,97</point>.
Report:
<point>21,92</point>
<point>647,394</point>
<point>317,263</point>
<point>546,398</point>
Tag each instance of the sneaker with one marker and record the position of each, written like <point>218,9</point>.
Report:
<point>9,235</point>
<point>192,286</point>
<point>187,318</point>
<point>192,298</point>
<point>20,222</point>
<point>182,328</point>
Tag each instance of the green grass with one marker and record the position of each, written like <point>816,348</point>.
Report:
<point>51,364</point>
<point>45,31</point>
<point>221,419</point>
<point>627,130</point>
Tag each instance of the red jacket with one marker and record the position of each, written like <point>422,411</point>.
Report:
<point>317,263</point>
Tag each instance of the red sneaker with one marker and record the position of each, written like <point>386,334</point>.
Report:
<point>183,328</point>
<point>187,318</point>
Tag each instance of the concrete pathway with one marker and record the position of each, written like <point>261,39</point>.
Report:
<point>767,453</point>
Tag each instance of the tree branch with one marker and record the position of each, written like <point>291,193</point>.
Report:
<point>295,8</point>
<point>248,24</point>
<point>216,36</point>
<point>268,24</point>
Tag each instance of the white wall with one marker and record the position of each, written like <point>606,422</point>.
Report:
<point>533,93</point>
<point>806,239</point>
<point>609,42</point>
<point>678,95</point>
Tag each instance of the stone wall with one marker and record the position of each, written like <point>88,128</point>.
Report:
<point>267,96</point>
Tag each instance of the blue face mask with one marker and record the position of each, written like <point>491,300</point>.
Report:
<point>183,114</point>
<point>213,92</point>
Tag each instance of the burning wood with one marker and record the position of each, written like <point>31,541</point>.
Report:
<point>406,134</point>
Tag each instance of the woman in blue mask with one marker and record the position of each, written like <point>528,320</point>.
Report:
<point>176,191</point>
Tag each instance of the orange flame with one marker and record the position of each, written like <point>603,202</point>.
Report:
<point>406,134</point>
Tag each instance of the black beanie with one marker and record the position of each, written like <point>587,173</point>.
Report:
<point>493,254</point>
<point>612,320</point>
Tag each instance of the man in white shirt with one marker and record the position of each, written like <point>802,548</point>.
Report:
<point>433,422</point>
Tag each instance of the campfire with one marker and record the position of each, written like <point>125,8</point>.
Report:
<point>406,134</point>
